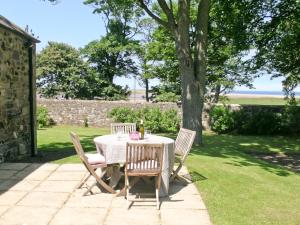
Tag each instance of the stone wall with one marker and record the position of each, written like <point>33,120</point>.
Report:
<point>15,135</point>
<point>74,112</point>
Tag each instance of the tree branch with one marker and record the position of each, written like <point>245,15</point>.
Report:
<point>152,15</point>
<point>164,6</point>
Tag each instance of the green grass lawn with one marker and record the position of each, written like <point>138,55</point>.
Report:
<point>237,188</point>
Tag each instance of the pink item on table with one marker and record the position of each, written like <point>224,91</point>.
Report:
<point>134,136</point>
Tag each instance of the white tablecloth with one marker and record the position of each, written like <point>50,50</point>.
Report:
<point>114,150</point>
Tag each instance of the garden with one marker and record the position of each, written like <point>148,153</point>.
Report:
<point>237,187</point>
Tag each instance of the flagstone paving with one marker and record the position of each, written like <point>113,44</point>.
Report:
<point>46,194</point>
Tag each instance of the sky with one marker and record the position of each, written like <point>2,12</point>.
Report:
<point>72,22</point>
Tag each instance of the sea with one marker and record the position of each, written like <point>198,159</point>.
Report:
<point>276,93</point>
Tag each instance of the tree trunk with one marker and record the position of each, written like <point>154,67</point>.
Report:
<point>147,89</point>
<point>192,69</point>
<point>191,102</point>
<point>191,98</point>
<point>217,93</point>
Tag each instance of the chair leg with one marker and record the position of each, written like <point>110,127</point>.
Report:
<point>175,173</point>
<point>157,191</point>
<point>83,180</point>
<point>127,191</point>
<point>89,189</point>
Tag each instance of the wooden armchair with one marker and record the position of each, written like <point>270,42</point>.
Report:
<point>91,162</point>
<point>143,160</point>
<point>183,145</point>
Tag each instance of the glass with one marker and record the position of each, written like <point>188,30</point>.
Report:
<point>119,134</point>
<point>147,133</point>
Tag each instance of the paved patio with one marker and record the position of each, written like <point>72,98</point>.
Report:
<point>45,194</point>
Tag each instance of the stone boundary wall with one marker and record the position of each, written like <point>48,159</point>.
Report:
<point>74,112</point>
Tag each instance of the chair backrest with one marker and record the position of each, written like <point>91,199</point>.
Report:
<point>145,157</point>
<point>124,128</point>
<point>79,149</point>
<point>184,142</point>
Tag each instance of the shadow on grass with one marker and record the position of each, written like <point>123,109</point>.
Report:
<point>60,150</point>
<point>241,150</point>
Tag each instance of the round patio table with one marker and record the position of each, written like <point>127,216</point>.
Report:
<point>113,147</point>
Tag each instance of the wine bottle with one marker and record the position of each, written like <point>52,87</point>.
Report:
<point>142,129</point>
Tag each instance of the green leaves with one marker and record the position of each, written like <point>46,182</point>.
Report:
<point>62,71</point>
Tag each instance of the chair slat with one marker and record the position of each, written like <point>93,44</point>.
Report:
<point>124,128</point>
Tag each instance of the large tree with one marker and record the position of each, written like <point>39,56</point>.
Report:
<point>228,43</point>
<point>113,55</point>
<point>277,41</point>
<point>62,71</point>
<point>192,58</point>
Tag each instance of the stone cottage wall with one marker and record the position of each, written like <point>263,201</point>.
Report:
<point>15,133</point>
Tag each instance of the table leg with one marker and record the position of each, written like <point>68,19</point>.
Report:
<point>115,175</point>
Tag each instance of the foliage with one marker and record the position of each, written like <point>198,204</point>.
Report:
<point>259,122</point>
<point>167,97</point>
<point>277,41</point>
<point>290,118</point>
<point>222,120</point>
<point>113,54</point>
<point>86,122</point>
<point>155,120</point>
<point>43,118</point>
<point>60,70</point>
<point>228,42</point>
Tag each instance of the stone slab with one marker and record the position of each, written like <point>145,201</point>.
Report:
<point>133,216</point>
<point>13,166</point>
<point>100,200</point>
<point>43,166</point>
<point>184,217</point>
<point>3,208</point>
<point>7,174</point>
<point>19,215</point>
<point>177,188</point>
<point>71,167</point>
<point>11,197</point>
<point>44,199</point>
<point>67,176</point>
<point>182,202</point>
<point>57,186</point>
<point>18,185</point>
<point>79,216</point>
<point>33,175</point>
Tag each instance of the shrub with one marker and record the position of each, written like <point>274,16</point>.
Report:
<point>257,122</point>
<point>222,120</point>
<point>43,118</point>
<point>167,97</point>
<point>290,118</point>
<point>86,122</point>
<point>154,119</point>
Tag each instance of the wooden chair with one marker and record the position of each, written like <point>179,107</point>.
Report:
<point>124,128</point>
<point>143,160</point>
<point>183,145</point>
<point>91,162</point>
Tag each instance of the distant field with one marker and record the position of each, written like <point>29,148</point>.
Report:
<point>257,100</point>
